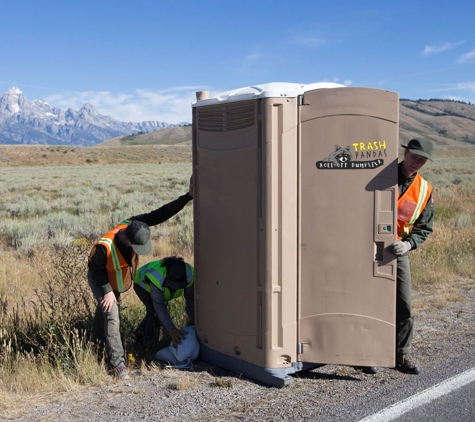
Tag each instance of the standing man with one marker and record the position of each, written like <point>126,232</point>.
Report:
<point>158,282</point>
<point>112,265</point>
<point>414,225</point>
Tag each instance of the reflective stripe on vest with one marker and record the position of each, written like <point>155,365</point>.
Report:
<point>154,272</point>
<point>149,272</point>
<point>117,267</point>
<point>411,204</point>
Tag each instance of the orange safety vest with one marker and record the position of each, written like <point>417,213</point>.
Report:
<point>411,204</point>
<point>119,272</point>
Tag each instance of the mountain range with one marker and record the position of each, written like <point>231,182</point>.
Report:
<point>445,122</point>
<point>24,122</point>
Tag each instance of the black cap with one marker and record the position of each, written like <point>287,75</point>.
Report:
<point>176,276</point>
<point>422,147</point>
<point>139,235</point>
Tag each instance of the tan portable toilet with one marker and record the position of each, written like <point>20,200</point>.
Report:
<point>294,207</point>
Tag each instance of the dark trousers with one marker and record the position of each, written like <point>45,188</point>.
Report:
<point>148,331</point>
<point>404,317</point>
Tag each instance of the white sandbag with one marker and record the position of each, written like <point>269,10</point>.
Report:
<point>184,354</point>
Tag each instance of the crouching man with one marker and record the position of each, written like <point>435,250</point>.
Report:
<point>158,282</point>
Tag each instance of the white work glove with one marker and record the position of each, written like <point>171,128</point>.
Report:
<point>399,248</point>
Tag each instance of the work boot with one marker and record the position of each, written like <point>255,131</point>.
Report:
<point>368,369</point>
<point>407,365</point>
<point>122,372</point>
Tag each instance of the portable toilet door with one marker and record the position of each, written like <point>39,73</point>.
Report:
<point>348,145</point>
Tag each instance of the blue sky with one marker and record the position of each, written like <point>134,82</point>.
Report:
<point>145,59</point>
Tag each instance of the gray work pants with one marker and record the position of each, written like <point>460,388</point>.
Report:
<point>404,317</point>
<point>106,325</point>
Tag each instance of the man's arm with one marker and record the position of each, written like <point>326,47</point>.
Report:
<point>97,268</point>
<point>165,212</point>
<point>98,274</point>
<point>161,308</point>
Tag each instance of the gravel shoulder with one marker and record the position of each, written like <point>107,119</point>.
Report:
<point>209,393</point>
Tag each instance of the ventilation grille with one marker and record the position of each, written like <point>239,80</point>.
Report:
<point>230,117</point>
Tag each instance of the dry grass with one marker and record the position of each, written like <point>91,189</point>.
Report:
<point>18,276</point>
<point>41,155</point>
<point>46,306</point>
<point>32,284</point>
<point>183,381</point>
<point>222,383</point>
<point>449,253</point>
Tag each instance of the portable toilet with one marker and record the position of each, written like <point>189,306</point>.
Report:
<point>294,207</point>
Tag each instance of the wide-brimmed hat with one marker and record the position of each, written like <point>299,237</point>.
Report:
<point>422,147</point>
<point>138,233</point>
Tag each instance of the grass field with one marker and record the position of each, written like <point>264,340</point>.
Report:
<point>56,201</point>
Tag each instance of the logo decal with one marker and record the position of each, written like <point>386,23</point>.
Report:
<point>342,158</point>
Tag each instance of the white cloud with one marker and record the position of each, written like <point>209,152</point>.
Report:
<point>337,80</point>
<point>461,86</point>
<point>172,105</point>
<point>465,86</point>
<point>455,98</point>
<point>466,57</point>
<point>251,58</point>
<point>309,41</point>
<point>250,64</point>
<point>439,48</point>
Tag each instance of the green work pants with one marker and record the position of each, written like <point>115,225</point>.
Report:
<point>404,317</point>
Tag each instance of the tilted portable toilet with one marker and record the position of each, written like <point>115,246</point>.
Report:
<point>294,207</point>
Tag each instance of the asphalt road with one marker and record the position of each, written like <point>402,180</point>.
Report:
<point>443,393</point>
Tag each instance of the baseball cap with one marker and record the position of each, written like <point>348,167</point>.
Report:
<point>422,147</point>
<point>138,233</point>
<point>176,276</point>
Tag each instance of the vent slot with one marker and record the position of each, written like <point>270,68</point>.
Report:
<point>227,118</point>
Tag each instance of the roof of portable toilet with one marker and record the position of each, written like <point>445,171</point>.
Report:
<point>269,90</point>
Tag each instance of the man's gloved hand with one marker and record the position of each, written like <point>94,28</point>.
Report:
<point>399,248</point>
<point>177,336</point>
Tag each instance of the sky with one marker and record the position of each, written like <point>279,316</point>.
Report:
<point>139,60</point>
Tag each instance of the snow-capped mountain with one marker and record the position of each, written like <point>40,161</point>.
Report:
<point>24,122</point>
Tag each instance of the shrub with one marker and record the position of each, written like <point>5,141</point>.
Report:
<point>463,221</point>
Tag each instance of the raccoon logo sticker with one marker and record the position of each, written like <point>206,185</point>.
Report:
<point>342,158</point>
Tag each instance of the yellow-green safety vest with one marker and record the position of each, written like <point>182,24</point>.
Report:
<point>154,272</point>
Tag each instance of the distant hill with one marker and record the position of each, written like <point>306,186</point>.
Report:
<point>443,122</point>
<point>170,136</point>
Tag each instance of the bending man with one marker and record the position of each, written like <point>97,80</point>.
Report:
<point>158,282</point>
